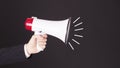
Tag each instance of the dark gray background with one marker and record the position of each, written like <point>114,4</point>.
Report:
<point>100,51</point>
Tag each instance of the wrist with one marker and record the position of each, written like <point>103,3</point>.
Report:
<point>27,52</point>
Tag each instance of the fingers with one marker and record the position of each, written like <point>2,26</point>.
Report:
<point>39,37</point>
<point>41,41</point>
<point>42,38</point>
<point>44,35</point>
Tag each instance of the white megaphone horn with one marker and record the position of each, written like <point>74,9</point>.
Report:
<point>56,28</point>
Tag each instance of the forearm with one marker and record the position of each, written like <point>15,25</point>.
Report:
<point>12,55</point>
<point>19,53</point>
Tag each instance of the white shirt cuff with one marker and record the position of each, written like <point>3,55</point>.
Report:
<point>25,51</point>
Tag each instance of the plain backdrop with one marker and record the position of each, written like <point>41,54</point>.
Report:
<point>103,16</point>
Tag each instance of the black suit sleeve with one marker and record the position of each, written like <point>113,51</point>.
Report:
<point>12,55</point>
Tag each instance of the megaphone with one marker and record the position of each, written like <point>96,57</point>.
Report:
<point>57,28</point>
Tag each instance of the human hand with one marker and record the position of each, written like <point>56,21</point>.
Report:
<point>36,40</point>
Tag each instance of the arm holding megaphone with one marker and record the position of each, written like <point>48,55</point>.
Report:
<point>18,53</point>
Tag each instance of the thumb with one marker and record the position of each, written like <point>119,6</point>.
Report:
<point>33,40</point>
